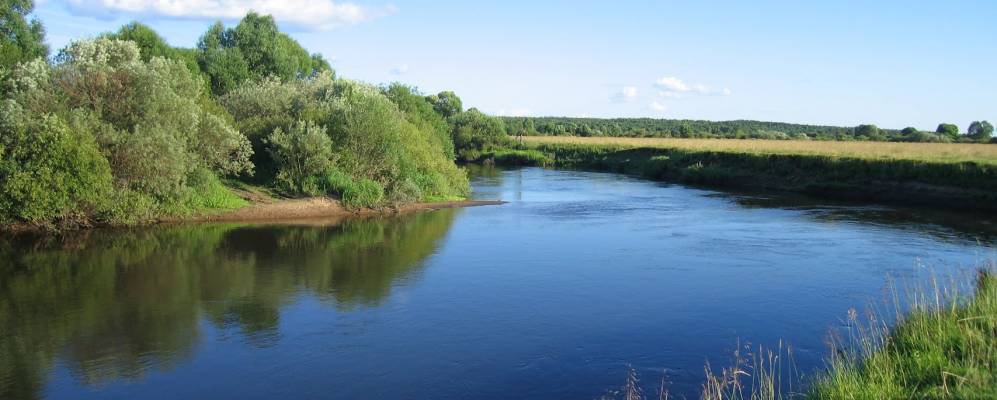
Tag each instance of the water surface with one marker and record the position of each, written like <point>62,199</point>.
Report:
<point>549,296</point>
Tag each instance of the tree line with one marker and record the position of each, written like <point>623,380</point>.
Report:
<point>979,131</point>
<point>125,128</point>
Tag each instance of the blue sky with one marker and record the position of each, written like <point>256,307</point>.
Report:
<point>892,63</point>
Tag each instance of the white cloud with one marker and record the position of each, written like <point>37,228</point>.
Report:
<point>400,70</point>
<point>310,14</point>
<point>672,84</point>
<point>626,95</point>
<point>672,87</point>
<point>657,107</point>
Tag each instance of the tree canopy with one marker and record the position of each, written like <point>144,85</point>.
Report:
<point>253,49</point>
<point>20,40</point>
<point>981,130</point>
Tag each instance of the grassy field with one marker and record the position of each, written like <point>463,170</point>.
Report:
<point>936,152</point>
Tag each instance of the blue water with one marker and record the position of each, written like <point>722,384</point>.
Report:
<point>552,295</point>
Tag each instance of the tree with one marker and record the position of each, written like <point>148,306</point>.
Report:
<point>950,130</point>
<point>254,49</point>
<point>20,40</point>
<point>474,132</point>
<point>909,131</point>
<point>869,131</point>
<point>447,104</point>
<point>981,130</point>
<point>301,154</point>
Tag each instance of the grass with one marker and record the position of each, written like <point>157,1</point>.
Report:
<point>944,347</point>
<point>935,152</point>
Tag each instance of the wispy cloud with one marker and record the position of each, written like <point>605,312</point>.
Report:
<point>400,70</point>
<point>308,14</point>
<point>672,87</point>
<point>626,95</point>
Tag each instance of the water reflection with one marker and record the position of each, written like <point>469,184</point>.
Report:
<point>112,304</point>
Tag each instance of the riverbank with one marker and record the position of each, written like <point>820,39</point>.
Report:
<point>321,207</point>
<point>961,177</point>
<point>942,349</point>
<point>262,206</point>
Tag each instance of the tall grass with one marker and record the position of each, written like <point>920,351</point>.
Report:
<point>933,342</point>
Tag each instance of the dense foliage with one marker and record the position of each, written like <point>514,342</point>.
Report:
<point>102,133</point>
<point>253,49</point>
<point>350,138</point>
<point>20,40</point>
<point>670,128</point>
<point>127,128</point>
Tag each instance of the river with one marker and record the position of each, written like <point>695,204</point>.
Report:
<point>552,295</point>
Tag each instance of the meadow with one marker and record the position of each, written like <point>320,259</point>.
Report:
<point>934,152</point>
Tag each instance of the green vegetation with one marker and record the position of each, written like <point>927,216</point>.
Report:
<point>667,128</point>
<point>125,128</point>
<point>20,40</point>
<point>949,176</point>
<point>305,131</point>
<point>944,348</point>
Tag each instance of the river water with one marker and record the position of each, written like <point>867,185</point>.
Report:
<point>552,295</point>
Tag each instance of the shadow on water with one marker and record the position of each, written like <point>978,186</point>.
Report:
<point>945,225</point>
<point>115,304</point>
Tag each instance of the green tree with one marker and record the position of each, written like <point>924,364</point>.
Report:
<point>474,132</point>
<point>253,49</point>
<point>981,130</point>
<point>447,104</point>
<point>220,60</point>
<point>420,112</point>
<point>949,130</point>
<point>909,131</point>
<point>869,131</point>
<point>20,40</point>
<point>302,154</point>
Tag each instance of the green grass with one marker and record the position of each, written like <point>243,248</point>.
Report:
<point>937,351</point>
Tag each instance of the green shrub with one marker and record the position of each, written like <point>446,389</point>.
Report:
<point>47,170</point>
<point>363,193</point>
<point>300,155</point>
<point>371,138</point>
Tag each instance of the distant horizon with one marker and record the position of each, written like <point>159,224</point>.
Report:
<point>841,64</point>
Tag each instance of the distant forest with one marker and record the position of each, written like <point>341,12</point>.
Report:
<point>740,129</point>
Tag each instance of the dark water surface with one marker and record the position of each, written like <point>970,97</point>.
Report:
<point>549,296</point>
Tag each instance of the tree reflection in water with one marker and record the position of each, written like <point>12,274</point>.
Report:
<point>114,304</point>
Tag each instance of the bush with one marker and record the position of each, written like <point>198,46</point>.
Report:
<point>300,155</point>
<point>371,138</point>
<point>48,170</point>
<point>146,122</point>
<point>474,131</point>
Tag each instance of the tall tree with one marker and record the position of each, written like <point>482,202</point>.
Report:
<point>981,130</point>
<point>253,49</point>
<point>447,104</point>
<point>950,130</point>
<point>20,40</point>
